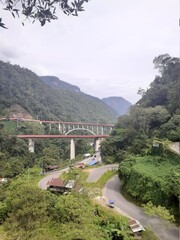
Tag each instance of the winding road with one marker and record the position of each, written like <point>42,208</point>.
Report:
<point>163,230</point>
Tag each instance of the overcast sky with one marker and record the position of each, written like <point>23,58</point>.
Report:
<point>107,51</point>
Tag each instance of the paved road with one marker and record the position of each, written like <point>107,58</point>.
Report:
<point>98,172</point>
<point>43,182</point>
<point>111,191</point>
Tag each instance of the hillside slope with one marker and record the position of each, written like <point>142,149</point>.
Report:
<point>119,104</point>
<point>56,83</point>
<point>23,87</point>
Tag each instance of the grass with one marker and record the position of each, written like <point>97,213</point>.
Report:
<point>149,235</point>
<point>103,179</point>
<point>2,233</point>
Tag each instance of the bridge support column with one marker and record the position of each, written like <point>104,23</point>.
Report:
<point>59,127</point>
<point>97,144</point>
<point>31,145</point>
<point>102,130</point>
<point>72,149</point>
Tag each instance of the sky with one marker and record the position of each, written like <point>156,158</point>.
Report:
<point>108,50</point>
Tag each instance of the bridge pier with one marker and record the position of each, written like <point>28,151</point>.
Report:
<point>72,149</point>
<point>97,144</point>
<point>31,145</point>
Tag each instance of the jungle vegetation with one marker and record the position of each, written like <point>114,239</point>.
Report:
<point>140,140</point>
<point>139,143</point>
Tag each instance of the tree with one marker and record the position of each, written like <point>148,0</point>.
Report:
<point>141,92</point>
<point>27,212</point>
<point>165,88</point>
<point>42,10</point>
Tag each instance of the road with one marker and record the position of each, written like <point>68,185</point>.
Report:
<point>111,190</point>
<point>98,172</point>
<point>163,230</point>
<point>43,182</point>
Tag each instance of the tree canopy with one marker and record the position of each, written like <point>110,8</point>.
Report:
<point>42,10</point>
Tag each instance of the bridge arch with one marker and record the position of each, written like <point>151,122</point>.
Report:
<point>84,129</point>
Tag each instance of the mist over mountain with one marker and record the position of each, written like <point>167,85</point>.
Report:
<point>118,104</point>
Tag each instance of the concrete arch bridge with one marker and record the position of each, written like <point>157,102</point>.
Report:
<point>94,131</point>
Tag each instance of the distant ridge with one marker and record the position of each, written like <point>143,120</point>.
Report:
<point>118,104</point>
<point>56,83</point>
<point>23,93</point>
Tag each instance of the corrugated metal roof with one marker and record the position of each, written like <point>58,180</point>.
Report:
<point>56,182</point>
<point>93,162</point>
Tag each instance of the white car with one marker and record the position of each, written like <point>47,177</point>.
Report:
<point>111,204</point>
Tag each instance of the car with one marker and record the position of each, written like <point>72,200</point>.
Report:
<point>80,165</point>
<point>111,204</point>
<point>87,155</point>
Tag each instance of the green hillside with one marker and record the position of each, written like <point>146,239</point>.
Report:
<point>140,142</point>
<point>22,87</point>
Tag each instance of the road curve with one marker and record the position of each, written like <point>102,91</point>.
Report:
<point>111,190</point>
<point>42,184</point>
<point>163,230</point>
<point>98,172</point>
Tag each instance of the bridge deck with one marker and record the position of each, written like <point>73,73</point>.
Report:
<point>62,136</point>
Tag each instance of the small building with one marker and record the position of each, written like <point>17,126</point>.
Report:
<point>59,186</point>
<point>56,185</point>
<point>70,184</point>
<point>80,165</point>
<point>136,228</point>
<point>51,168</point>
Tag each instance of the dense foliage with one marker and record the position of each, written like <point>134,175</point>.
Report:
<point>23,87</point>
<point>156,115</point>
<point>157,178</point>
<point>139,141</point>
<point>27,212</point>
<point>165,88</point>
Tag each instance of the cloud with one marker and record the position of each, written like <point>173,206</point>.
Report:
<point>107,50</point>
<point>8,51</point>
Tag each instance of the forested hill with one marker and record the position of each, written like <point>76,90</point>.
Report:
<point>119,104</point>
<point>22,87</point>
<point>140,141</point>
<point>165,89</point>
<point>56,83</point>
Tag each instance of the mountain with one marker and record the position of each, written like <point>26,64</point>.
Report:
<point>22,88</point>
<point>118,104</point>
<point>56,83</point>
